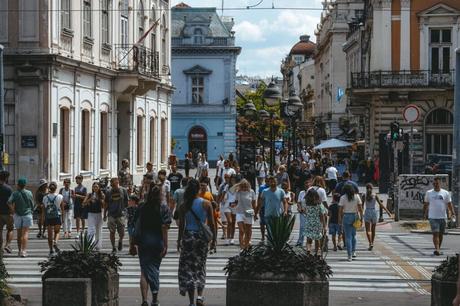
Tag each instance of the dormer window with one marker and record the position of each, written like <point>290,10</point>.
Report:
<point>198,36</point>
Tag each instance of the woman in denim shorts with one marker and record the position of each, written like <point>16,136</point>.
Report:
<point>370,214</point>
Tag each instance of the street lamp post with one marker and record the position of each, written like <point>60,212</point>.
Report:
<point>272,97</point>
<point>293,106</point>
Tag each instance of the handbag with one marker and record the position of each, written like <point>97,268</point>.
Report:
<point>357,224</point>
<point>249,213</point>
<point>205,230</point>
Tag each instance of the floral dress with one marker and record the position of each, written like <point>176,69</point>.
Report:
<point>313,227</point>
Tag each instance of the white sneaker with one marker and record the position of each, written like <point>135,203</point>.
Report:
<point>232,242</point>
<point>349,258</point>
<point>354,255</point>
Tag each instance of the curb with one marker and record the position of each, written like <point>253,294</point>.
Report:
<point>429,232</point>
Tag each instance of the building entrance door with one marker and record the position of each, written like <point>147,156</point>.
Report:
<point>197,141</point>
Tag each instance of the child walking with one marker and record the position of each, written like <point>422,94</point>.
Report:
<point>315,220</point>
<point>335,229</point>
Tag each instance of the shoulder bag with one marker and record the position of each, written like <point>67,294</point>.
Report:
<point>205,230</point>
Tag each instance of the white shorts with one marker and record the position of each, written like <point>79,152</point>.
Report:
<point>244,219</point>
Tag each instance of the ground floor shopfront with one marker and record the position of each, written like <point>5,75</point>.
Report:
<point>64,119</point>
<point>211,134</point>
<point>433,131</point>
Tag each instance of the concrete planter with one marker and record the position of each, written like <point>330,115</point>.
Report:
<point>81,291</point>
<point>442,292</point>
<point>269,289</point>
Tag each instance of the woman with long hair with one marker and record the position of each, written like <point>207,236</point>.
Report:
<point>194,244</point>
<point>245,200</point>
<point>370,213</point>
<point>39,195</point>
<point>315,223</point>
<point>351,210</point>
<point>94,203</point>
<point>152,242</point>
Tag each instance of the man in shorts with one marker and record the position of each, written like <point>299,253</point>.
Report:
<point>437,207</point>
<point>22,204</point>
<point>117,202</point>
<point>6,217</point>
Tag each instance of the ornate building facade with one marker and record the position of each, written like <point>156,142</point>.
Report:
<point>87,85</point>
<point>203,71</point>
<point>401,52</point>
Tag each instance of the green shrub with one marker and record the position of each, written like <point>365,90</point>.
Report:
<point>4,291</point>
<point>83,262</point>
<point>448,269</point>
<point>277,256</point>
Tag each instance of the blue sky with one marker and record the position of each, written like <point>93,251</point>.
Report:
<point>266,36</point>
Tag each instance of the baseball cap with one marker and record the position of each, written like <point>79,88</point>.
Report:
<point>22,181</point>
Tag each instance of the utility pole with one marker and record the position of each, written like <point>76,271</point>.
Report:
<point>2,109</point>
<point>456,157</point>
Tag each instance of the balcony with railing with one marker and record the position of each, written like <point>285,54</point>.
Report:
<point>403,79</point>
<point>138,59</point>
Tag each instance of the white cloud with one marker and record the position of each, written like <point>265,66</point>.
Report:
<point>249,32</point>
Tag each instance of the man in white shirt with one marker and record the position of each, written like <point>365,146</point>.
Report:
<point>305,155</point>
<point>227,169</point>
<point>331,177</point>
<point>437,207</point>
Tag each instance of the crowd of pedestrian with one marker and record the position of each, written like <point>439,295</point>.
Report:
<point>327,201</point>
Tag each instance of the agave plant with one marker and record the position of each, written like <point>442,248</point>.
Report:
<point>86,244</point>
<point>84,261</point>
<point>277,256</point>
<point>278,232</point>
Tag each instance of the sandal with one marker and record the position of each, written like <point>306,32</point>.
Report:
<point>200,301</point>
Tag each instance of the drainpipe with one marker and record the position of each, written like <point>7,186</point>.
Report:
<point>456,151</point>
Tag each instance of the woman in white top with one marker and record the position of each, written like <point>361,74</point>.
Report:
<point>245,201</point>
<point>261,169</point>
<point>229,210</point>
<point>202,165</point>
<point>351,210</point>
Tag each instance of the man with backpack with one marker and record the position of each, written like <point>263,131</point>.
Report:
<point>53,205</point>
<point>117,202</point>
<point>22,204</point>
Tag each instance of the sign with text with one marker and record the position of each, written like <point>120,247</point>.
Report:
<point>29,142</point>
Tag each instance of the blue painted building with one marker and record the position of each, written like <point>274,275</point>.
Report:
<point>203,71</point>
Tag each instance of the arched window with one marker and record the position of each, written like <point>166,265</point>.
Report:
<point>85,139</point>
<point>153,139</point>
<point>153,33</point>
<point>198,36</point>
<point>140,140</point>
<point>439,132</point>
<point>140,20</point>
<point>164,140</point>
<point>64,140</point>
<point>104,126</point>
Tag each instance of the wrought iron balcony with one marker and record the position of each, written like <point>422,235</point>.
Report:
<point>403,79</point>
<point>138,59</point>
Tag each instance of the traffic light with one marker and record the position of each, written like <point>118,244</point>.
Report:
<point>394,130</point>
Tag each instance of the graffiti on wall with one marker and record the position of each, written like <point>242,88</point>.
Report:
<point>412,189</point>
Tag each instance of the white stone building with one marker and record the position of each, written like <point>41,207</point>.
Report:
<point>330,65</point>
<point>80,96</point>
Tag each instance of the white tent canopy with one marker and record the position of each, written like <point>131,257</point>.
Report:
<point>333,144</point>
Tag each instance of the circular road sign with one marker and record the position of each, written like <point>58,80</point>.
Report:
<point>411,113</point>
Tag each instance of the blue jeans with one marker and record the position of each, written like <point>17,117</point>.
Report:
<point>302,221</point>
<point>350,232</point>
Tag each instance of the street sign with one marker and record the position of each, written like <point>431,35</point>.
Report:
<point>411,113</point>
